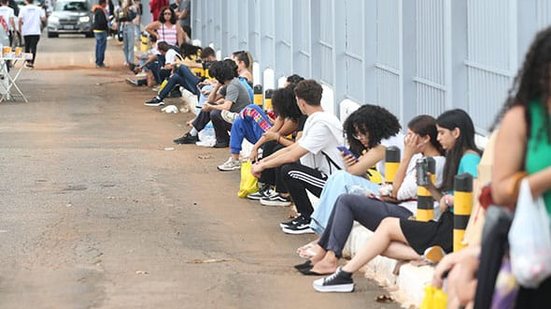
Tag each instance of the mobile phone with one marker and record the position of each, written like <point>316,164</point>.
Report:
<point>346,151</point>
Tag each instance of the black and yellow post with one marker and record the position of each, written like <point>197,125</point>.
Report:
<point>257,90</point>
<point>462,207</point>
<point>425,201</point>
<point>392,161</point>
<point>268,99</point>
<point>144,41</point>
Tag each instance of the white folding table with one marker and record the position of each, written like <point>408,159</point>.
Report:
<point>8,86</point>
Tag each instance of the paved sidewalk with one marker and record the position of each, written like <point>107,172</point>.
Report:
<point>96,213</point>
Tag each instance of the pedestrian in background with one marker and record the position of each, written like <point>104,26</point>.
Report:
<point>155,7</point>
<point>100,28</point>
<point>30,20</point>
<point>125,18</point>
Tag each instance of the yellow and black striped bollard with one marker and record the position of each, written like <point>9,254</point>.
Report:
<point>392,161</point>
<point>462,206</point>
<point>257,90</point>
<point>425,201</point>
<point>268,99</point>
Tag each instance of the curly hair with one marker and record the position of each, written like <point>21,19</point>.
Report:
<point>285,103</point>
<point>162,18</point>
<point>223,70</point>
<point>456,118</point>
<point>375,122</point>
<point>532,82</point>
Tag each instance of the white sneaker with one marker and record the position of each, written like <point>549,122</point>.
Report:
<point>230,165</point>
<point>229,116</point>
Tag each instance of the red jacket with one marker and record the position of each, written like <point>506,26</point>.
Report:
<point>155,7</point>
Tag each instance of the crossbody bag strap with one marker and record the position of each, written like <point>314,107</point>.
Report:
<point>330,162</point>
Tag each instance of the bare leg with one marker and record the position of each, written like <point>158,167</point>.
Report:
<point>320,254</point>
<point>388,231</point>
<point>327,265</point>
<point>401,251</point>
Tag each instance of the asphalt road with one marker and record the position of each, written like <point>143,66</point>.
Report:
<point>95,213</point>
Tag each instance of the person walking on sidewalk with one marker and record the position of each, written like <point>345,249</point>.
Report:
<point>30,19</point>
<point>100,28</point>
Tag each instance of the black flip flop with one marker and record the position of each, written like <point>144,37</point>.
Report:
<point>309,272</point>
<point>305,265</point>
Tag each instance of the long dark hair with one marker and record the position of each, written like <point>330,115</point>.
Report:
<point>285,103</point>
<point>532,82</point>
<point>189,51</point>
<point>374,121</point>
<point>425,125</point>
<point>457,118</point>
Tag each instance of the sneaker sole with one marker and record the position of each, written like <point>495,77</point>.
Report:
<point>297,232</point>
<point>274,203</point>
<point>154,104</point>
<point>341,288</point>
<point>224,169</point>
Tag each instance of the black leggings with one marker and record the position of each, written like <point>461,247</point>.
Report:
<point>31,41</point>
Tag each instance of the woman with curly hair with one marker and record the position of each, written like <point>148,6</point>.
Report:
<point>369,131</point>
<point>408,239</point>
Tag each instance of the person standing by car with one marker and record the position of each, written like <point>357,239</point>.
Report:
<point>30,20</point>
<point>100,28</point>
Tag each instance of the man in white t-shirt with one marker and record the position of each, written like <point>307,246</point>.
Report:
<point>7,18</point>
<point>30,19</point>
<point>307,164</point>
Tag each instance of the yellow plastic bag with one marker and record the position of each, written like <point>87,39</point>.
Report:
<point>249,183</point>
<point>374,176</point>
<point>434,298</point>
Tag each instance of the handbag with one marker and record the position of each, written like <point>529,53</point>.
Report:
<point>248,183</point>
<point>530,239</point>
<point>434,298</point>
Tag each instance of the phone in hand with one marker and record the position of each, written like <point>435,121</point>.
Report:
<point>346,151</point>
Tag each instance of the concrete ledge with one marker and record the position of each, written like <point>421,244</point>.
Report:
<point>407,286</point>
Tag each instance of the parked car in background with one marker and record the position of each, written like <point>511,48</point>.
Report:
<point>70,16</point>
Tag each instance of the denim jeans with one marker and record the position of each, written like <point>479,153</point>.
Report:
<point>101,44</point>
<point>128,39</point>
<point>183,77</point>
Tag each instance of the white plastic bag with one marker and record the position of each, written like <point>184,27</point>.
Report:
<point>530,239</point>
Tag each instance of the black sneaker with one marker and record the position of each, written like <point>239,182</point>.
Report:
<point>263,192</point>
<point>288,223</point>
<point>340,281</point>
<point>156,101</point>
<point>186,139</point>
<point>300,226</point>
<point>221,145</point>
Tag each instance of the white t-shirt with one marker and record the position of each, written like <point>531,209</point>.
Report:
<point>170,56</point>
<point>30,16</point>
<point>322,134</point>
<point>7,13</point>
<point>408,189</point>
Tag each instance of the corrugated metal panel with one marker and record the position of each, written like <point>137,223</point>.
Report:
<point>388,65</point>
<point>243,25</point>
<point>326,42</point>
<point>354,49</point>
<point>284,39</point>
<point>491,63</point>
<point>254,29</point>
<point>302,38</point>
<point>431,56</point>
<point>267,38</point>
<point>543,9</point>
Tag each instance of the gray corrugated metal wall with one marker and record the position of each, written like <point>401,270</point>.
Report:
<point>411,56</point>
